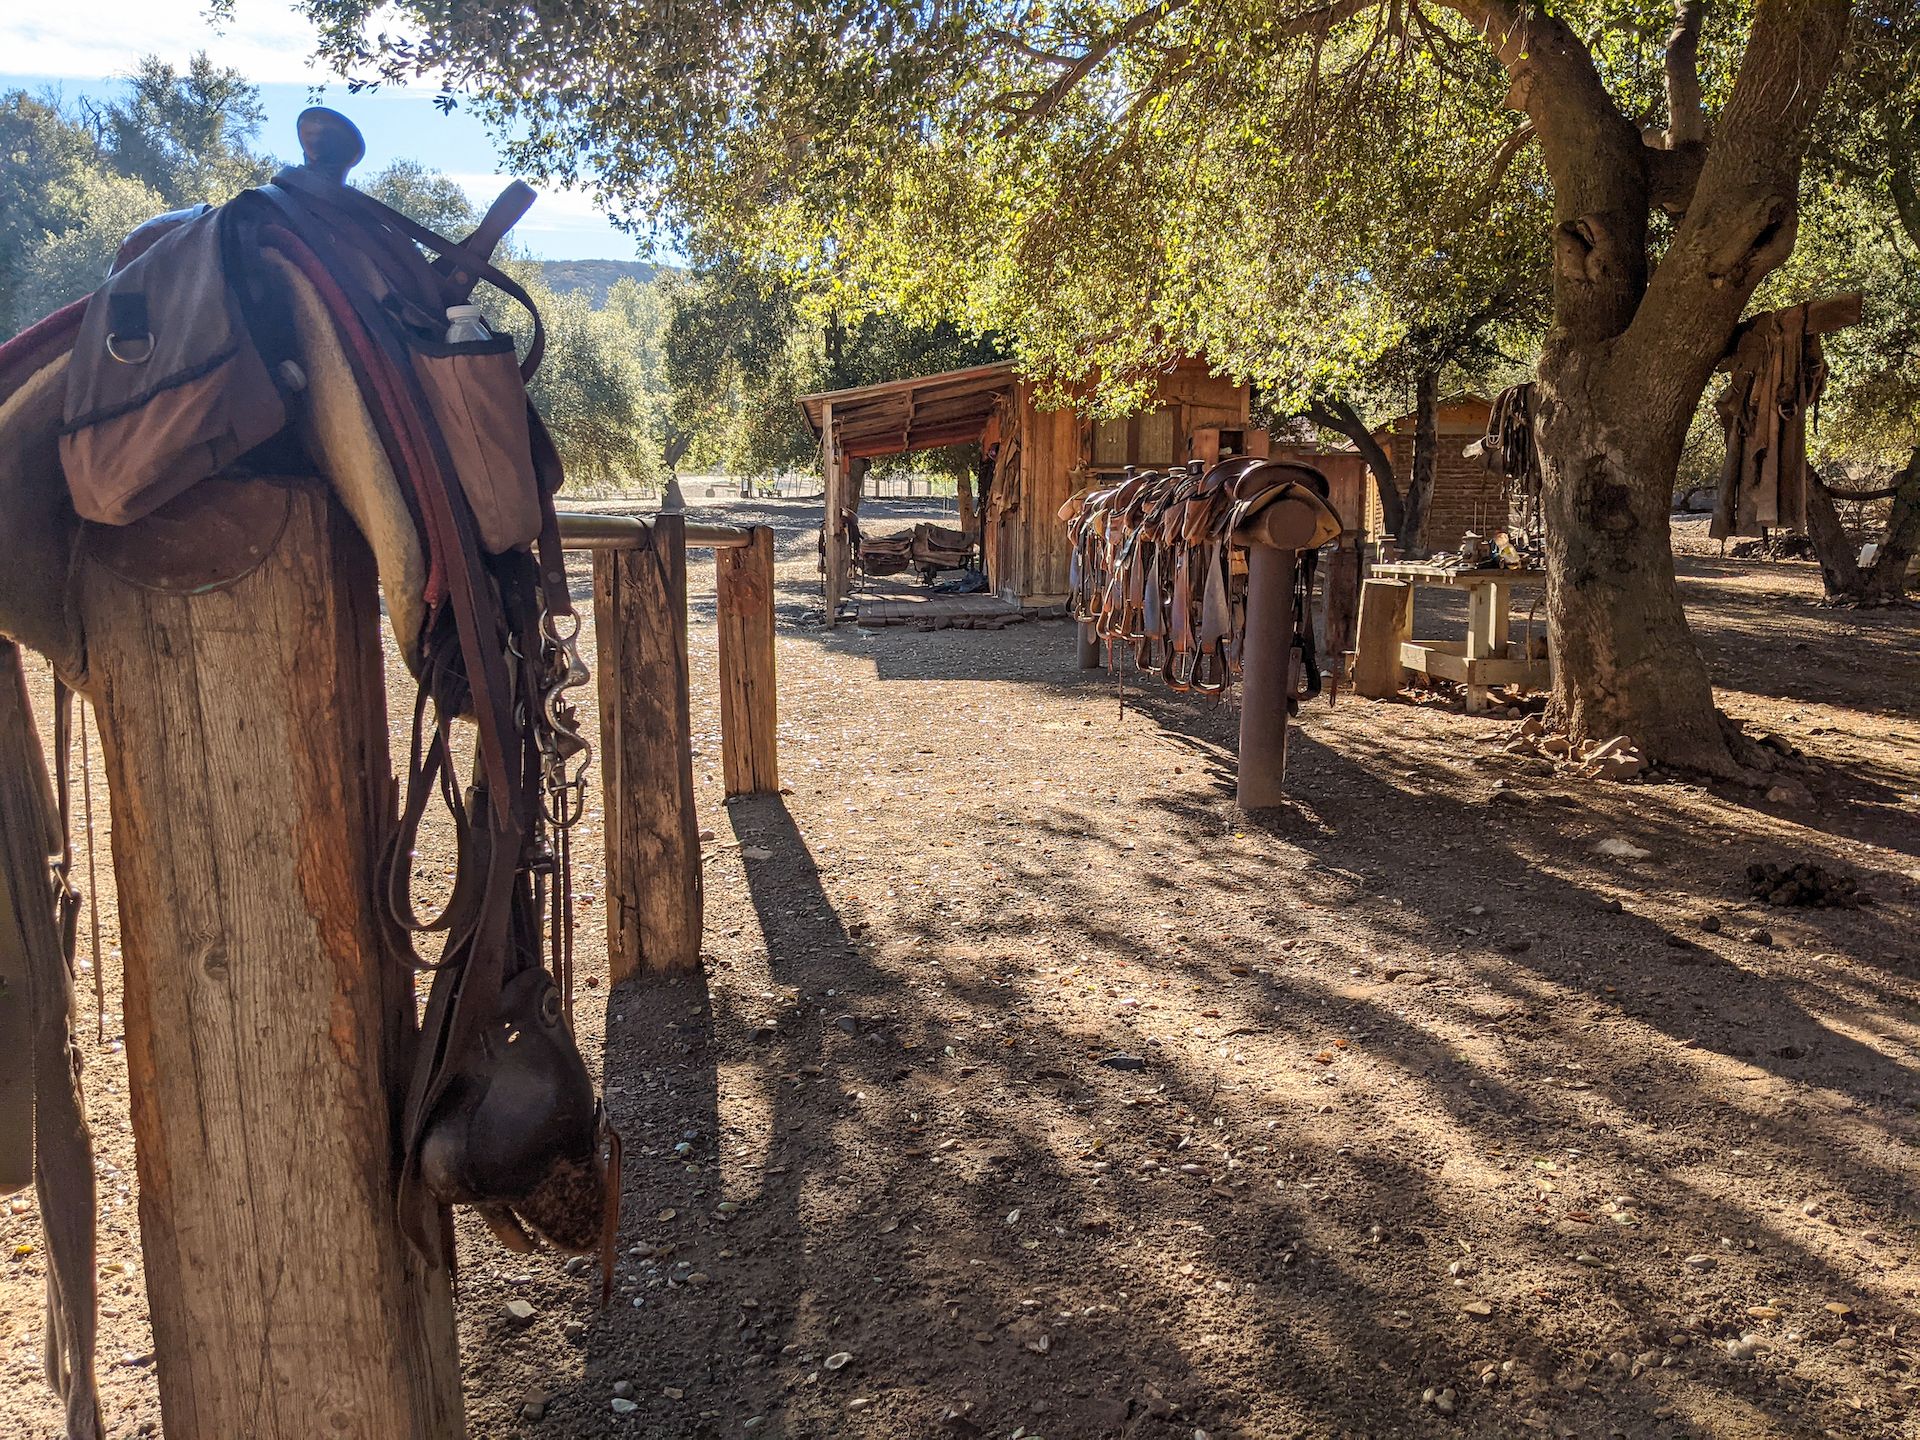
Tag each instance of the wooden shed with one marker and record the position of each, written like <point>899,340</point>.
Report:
<point>1033,458</point>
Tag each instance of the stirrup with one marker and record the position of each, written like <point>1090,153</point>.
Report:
<point>1176,682</point>
<point>1209,662</point>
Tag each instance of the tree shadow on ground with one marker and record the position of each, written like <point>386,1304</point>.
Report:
<point>911,1152</point>
<point>923,1163</point>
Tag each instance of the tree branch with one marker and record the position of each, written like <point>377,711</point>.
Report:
<point>1318,20</point>
<point>1741,220</point>
<point>1335,414</point>
<point>1045,57</point>
<point>1885,492</point>
<point>1686,110</point>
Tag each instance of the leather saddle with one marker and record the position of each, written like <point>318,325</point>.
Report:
<point>1154,562</point>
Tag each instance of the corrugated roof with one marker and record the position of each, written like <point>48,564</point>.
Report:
<point>922,413</point>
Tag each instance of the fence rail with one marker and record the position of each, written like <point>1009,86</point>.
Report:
<point>583,530</point>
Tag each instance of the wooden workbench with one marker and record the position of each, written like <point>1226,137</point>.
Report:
<point>1386,647</point>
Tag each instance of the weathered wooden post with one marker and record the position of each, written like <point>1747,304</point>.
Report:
<point>268,1029</point>
<point>646,752</point>
<point>749,705</point>
<point>836,559</point>
<point>1088,645</point>
<point>1266,677</point>
<point>1386,621</point>
<point>1342,590</point>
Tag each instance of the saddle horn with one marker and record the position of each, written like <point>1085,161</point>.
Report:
<point>330,143</point>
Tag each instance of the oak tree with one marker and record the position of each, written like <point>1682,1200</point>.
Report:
<point>966,158</point>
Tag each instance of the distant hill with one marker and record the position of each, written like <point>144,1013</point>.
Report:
<point>595,277</point>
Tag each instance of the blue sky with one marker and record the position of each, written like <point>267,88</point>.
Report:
<point>82,49</point>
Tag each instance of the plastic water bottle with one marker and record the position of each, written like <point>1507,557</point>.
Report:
<point>466,326</point>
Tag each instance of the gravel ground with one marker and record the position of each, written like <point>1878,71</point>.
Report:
<point>1031,1090</point>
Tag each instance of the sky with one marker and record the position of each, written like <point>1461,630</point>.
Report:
<point>83,47</point>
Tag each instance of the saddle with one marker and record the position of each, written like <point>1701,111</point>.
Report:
<point>300,327</point>
<point>885,554</point>
<point>1157,567</point>
<point>937,548</point>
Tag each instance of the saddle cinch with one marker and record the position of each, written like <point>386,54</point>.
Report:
<point>1158,569</point>
<point>300,328</point>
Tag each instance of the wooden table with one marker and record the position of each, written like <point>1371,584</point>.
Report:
<point>1385,647</point>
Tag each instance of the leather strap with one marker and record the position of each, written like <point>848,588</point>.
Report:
<point>451,279</point>
<point>38,913</point>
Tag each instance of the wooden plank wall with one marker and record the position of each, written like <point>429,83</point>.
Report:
<point>1050,449</point>
<point>1027,544</point>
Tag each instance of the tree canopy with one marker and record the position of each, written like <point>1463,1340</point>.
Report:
<point>1316,197</point>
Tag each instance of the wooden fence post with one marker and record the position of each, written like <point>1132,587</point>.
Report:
<point>836,556</point>
<point>646,748</point>
<point>268,1027</point>
<point>1342,589</point>
<point>1087,645</point>
<point>749,703</point>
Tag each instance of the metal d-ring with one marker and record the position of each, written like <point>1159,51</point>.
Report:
<point>113,343</point>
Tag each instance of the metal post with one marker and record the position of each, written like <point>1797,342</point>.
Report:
<point>1266,676</point>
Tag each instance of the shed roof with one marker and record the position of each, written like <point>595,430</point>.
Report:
<point>921,413</point>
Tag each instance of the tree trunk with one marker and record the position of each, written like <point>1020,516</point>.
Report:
<point>675,449</point>
<point>1840,574</point>
<point>1341,418</point>
<point>857,469</point>
<point>1633,346</point>
<point>1624,661</point>
<point>1426,454</point>
<point>1885,581</point>
<point>963,494</point>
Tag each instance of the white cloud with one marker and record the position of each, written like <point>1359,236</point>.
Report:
<point>268,41</point>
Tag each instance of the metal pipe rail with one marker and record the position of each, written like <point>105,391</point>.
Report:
<point>582,530</point>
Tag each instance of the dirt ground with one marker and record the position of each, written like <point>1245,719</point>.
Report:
<point>1032,1091</point>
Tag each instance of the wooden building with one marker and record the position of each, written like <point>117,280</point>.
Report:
<point>1032,458</point>
<point>1466,495</point>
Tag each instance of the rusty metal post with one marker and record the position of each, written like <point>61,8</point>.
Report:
<point>1266,676</point>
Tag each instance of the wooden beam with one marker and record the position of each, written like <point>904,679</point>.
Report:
<point>268,1025</point>
<point>749,707</point>
<point>653,891</point>
<point>1824,317</point>
<point>899,444</point>
<point>837,559</point>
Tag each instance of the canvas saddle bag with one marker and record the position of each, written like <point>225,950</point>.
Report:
<point>167,385</point>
